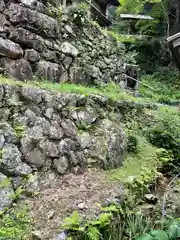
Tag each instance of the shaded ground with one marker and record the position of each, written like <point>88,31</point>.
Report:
<point>68,193</point>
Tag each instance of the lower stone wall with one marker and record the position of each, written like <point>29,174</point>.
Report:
<point>35,44</point>
<point>44,131</point>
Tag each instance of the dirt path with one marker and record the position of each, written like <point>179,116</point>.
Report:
<point>72,192</point>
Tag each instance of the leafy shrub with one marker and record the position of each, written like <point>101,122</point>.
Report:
<point>55,11</point>
<point>164,85</point>
<point>132,144</point>
<point>172,233</point>
<point>93,230</point>
<point>166,132</point>
<point>164,156</point>
<point>161,138</point>
<point>15,225</point>
<point>153,53</point>
<point>79,12</point>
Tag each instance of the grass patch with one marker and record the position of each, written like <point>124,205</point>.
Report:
<point>111,91</point>
<point>144,161</point>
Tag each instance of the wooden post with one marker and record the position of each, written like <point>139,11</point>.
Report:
<point>89,12</point>
<point>64,3</point>
<point>107,11</point>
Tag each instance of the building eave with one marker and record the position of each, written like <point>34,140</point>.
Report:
<point>103,20</point>
<point>135,17</point>
<point>109,2</point>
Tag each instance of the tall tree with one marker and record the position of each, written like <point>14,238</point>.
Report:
<point>174,16</point>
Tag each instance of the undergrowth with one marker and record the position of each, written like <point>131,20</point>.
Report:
<point>140,168</point>
<point>164,86</point>
<point>153,142</point>
<point>15,224</point>
<point>136,163</point>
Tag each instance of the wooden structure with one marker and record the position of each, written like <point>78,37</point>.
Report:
<point>174,46</point>
<point>135,17</point>
<point>130,77</point>
<point>99,10</point>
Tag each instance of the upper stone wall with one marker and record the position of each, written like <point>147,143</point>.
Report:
<point>32,43</point>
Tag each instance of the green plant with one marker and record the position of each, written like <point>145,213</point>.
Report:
<point>17,193</point>
<point>155,235</point>
<point>161,138</point>
<point>19,130</point>
<point>79,12</point>
<point>55,9</point>
<point>114,94</point>
<point>155,8</point>
<point>174,230</point>
<point>136,6</point>
<point>6,182</point>
<point>137,225</point>
<point>15,224</point>
<point>94,229</point>
<point>166,132</point>
<point>120,37</point>
<point>132,144</point>
<point>171,233</point>
<point>93,233</point>
<point>73,222</point>
<point>112,209</point>
<point>83,126</point>
<point>163,86</point>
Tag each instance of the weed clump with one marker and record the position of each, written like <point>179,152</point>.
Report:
<point>15,224</point>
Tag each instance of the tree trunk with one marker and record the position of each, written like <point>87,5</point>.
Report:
<point>174,16</point>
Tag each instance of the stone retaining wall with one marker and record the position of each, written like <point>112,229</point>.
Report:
<point>43,131</point>
<point>32,43</point>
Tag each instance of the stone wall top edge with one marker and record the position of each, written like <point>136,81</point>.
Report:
<point>95,100</point>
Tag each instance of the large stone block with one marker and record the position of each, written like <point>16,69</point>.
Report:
<point>22,36</point>
<point>49,71</point>
<point>34,5</point>
<point>10,49</point>
<point>39,44</point>
<point>2,6</point>
<point>39,22</point>
<point>49,55</point>
<point>6,191</point>
<point>11,163</point>
<point>27,38</point>
<point>106,147</point>
<point>68,49</point>
<point>4,26</point>
<point>18,69</point>
<point>31,55</point>
<point>30,151</point>
<point>61,164</point>
<point>20,15</point>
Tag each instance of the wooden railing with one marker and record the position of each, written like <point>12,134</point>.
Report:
<point>103,19</point>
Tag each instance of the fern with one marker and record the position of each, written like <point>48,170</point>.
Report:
<point>93,233</point>
<point>73,222</point>
<point>6,182</point>
<point>105,219</point>
<point>111,208</point>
